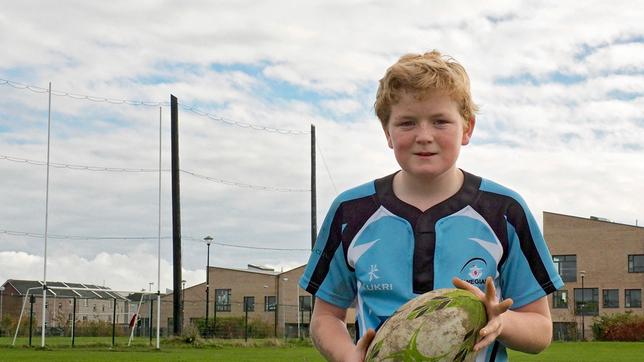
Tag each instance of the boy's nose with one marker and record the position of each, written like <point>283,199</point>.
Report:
<point>425,133</point>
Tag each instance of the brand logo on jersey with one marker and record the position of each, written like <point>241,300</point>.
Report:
<point>372,272</point>
<point>473,271</point>
<point>378,286</point>
<point>373,269</point>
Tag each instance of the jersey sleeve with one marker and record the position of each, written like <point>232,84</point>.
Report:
<point>529,272</point>
<point>327,275</point>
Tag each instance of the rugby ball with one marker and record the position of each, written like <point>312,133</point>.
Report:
<point>441,325</point>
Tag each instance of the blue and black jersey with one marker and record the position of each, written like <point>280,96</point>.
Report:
<point>379,252</point>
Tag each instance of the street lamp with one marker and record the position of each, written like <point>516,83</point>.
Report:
<point>208,240</point>
<point>297,287</point>
<point>583,305</point>
<point>183,300</point>
<point>284,312</point>
<point>1,290</point>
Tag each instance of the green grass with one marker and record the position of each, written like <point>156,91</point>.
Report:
<point>586,352</point>
<point>99,349</point>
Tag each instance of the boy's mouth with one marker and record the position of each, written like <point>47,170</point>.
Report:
<point>424,154</point>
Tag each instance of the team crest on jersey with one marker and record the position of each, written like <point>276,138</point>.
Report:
<point>473,271</point>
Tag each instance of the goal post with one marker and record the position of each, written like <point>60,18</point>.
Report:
<point>110,292</point>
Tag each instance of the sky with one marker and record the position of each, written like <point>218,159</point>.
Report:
<point>560,85</point>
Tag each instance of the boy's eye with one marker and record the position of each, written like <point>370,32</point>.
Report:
<point>406,123</point>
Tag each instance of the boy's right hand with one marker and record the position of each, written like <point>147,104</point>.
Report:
<point>360,351</point>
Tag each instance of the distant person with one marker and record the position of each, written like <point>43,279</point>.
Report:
<point>429,225</point>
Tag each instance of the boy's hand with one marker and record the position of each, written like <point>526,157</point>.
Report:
<point>494,310</point>
<point>360,351</point>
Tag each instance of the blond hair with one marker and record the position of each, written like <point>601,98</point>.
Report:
<point>423,74</point>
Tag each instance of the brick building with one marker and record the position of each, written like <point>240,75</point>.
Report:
<point>606,257</point>
<point>92,302</point>
<point>271,296</point>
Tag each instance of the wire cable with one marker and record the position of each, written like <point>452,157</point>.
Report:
<point>36,89</point>
<point>327,168</point>
<point>245,185</point>
<point>119,169</point>
<point>189,238</point>
<point>186,107</point>
<point>231,122</point>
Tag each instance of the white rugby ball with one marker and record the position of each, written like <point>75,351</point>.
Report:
<point>441,325</point>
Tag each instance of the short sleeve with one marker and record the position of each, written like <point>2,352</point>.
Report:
<point>327,275</point>
<point>528,272</point>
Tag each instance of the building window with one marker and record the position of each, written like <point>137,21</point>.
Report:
<point>560,299</point>
<point>636,263</point>
<point>222,300</point>
<point>249,304</point>
<point>566,267</point>
<point>611,298</point>
<point>586,301</point>
<point>633,298</point>
<point>270,303</point>
<point>305,303</point>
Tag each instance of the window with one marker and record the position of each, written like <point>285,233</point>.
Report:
<point>611,298</point>
<point>249,304</point>
<point>560,299</point>
<point>586,301</point>
<point>566,267</point>
<point>222,300</point>
<point>633,298</point>
<point>305,303</point>
<point>270,303</point>
<point>636,263</point>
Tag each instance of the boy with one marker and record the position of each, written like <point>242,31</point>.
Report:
<point>429,226</point>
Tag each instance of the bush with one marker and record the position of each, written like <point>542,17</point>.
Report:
<point>627,327</point>
<point>96,329</point>
<point>8,326</point>
<point>233,327</point>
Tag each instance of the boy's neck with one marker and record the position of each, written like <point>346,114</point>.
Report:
<point>423,192</point>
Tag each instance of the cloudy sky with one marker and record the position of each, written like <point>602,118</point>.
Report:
<point>560,85</point>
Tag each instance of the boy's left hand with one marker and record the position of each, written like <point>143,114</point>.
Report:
<point>494,310</point>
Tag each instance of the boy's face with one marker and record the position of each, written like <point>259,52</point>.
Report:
<point>426,133</point>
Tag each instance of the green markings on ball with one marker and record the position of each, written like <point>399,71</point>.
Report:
<point>441,325</point>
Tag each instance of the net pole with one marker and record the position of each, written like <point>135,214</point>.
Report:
<point>159,242</point>
<point>44,278</point>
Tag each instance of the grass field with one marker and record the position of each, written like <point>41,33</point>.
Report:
<point>99,349</point>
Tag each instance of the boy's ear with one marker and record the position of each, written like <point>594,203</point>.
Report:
<point>467,133</point>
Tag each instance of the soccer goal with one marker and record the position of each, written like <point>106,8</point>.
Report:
<point>128,315</point>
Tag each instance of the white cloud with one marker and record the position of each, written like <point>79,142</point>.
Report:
<point>560,85</point>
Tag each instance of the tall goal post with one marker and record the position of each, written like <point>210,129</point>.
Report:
<point>46,234</point>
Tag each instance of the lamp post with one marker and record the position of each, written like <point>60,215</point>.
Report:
<point>297,287</point>
<point>208,240</point>
<point>183,300</point>
<point>284,304</point>
<point>583,305</point>
<point>1,290</point>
